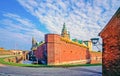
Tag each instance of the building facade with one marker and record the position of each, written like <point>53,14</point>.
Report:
<point>111,46</point>
<point>60,49</point>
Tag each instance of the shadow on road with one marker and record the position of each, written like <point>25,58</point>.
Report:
<point>85,70</point>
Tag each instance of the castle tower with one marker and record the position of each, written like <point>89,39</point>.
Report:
<point>89,45</point>
<point>34,44</point>
<point>33,41</point>
<point>65,33</point>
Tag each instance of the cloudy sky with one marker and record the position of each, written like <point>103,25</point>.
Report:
<point>20,20</point>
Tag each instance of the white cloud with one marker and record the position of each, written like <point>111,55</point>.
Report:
<point>26,23</point>
<point>19,30</point>
<point>84,19</point>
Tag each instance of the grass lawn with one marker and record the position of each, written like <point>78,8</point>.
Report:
<point>18,64</point>
<point>41,65</point>
<point>75,65</point>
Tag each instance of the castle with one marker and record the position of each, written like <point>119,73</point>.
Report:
<point>60,49</point>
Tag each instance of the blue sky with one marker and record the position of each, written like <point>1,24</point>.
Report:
<point>20,20</point>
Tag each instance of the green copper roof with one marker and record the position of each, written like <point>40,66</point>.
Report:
<point>75,40</point>
<point>64,25</point>
<point>79,41</point>
<point>86,43</point>
<point>40,43</point>
<point>64,28</point>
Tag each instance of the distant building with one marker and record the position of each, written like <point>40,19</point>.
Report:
<point>111,46</point>
<point>60,49</point>
<point>15,52</point>
<point>1,49</point>
<point>5,52</point>
<point>89,44</point>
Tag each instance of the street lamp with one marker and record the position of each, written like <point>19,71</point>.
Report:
<point>96,42</point>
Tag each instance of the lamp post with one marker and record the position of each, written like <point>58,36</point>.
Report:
<point>96,42</point>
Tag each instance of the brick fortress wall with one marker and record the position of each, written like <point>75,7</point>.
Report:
<point>39,52</point>
<point>96,57</point>
<point>60,51</point>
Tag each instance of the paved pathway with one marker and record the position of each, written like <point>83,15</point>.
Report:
<point>71,71</point>
<point>2,56</point>
<point>44,71</point>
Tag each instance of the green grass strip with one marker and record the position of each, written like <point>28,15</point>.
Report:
<point>18,64</point>
<point>2,61</point>
<point>76,65</point>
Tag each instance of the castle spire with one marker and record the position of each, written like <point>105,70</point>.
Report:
<point>64,30</point>
<point>65,33</point>
<point>34,44</point>
<point>64,27</point>
<point>33,41</point>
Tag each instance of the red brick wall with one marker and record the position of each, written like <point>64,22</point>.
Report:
<point>39,52</point>
<point>111,46</point>
<point>70,52</point>
<point>61,52</point>
<point>53,47</point>
<point>96,57</point>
